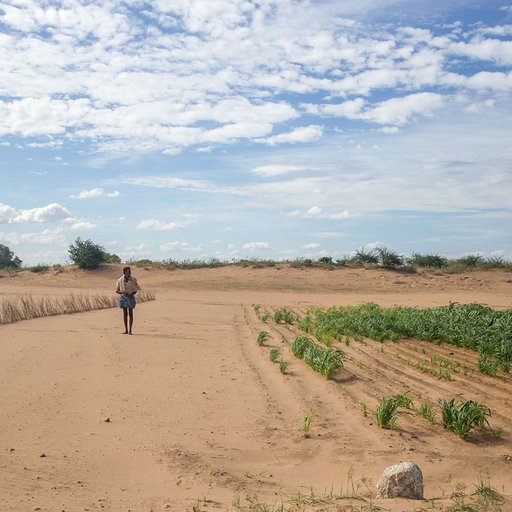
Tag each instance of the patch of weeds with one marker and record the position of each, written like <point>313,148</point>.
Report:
<point>363,407</point>
<point>282,366</point>
<point>487,493</point>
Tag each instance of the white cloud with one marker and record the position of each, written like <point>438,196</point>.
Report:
<point>46,237</point>
<point>82,224</point>
<point>180,247</point>
<point>485,49</point>
<point>7,213</point>
<point>136,248</point>
<point>53,212</point>
<point>87,194</point>
<point>207,73</point>
<point>319,213</point>
<point>256,246</point>
<point>395,111</point>
<point>480,106</point>
<point>159,225</point>
<point>276,169</point>
<point>311,246</point>
<point>298,135</point>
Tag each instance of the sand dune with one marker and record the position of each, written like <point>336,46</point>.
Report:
<point>189,411</point>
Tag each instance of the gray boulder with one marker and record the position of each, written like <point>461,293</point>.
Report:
<point>401,480</point>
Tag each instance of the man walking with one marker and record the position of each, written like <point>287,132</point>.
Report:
<point>127,287</point>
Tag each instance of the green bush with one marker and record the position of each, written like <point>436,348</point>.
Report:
<point>86,254</point>
<point>428,261</point>
<point>389,259</point>
<point>8,259</point>
<point>365,258</point>
<point>111,258</point>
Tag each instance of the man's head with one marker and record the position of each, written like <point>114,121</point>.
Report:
<point>127,271</point>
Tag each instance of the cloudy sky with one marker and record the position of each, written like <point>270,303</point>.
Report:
<point>191,129</point>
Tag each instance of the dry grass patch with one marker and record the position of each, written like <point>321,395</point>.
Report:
<point>26,307</point>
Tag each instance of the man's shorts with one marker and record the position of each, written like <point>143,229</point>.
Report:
<point>127,302</point>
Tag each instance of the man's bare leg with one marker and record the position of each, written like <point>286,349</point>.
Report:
<point>131,320</point>
<point>125,320</point>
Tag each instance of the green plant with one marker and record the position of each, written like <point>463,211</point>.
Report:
<point>308,419</point>
<point>487,365</point>
<point>363,407</point>
<point>387,412</point>
<point>274,354</point>
<point>283,315</point>
<point>86,254</point>
<point>282,366</point>
<point>426,411</point>
<point>299,346</point>
<point>262,337</point>
<point>323,360</point>
<point>462,417</point>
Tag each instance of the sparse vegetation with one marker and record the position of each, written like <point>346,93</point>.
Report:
<point>282,366</point>
<point>380,257</point>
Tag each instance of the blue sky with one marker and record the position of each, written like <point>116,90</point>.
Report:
<point>192,129</point>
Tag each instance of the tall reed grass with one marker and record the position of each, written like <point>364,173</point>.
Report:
<point>27,307</point>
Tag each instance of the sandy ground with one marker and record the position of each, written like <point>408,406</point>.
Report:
<point>190,414</point>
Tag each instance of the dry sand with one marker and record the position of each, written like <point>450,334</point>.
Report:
<point>189,411</point>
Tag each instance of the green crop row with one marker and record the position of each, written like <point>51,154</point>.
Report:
<point>472,326</point>
<point>325,361</point>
